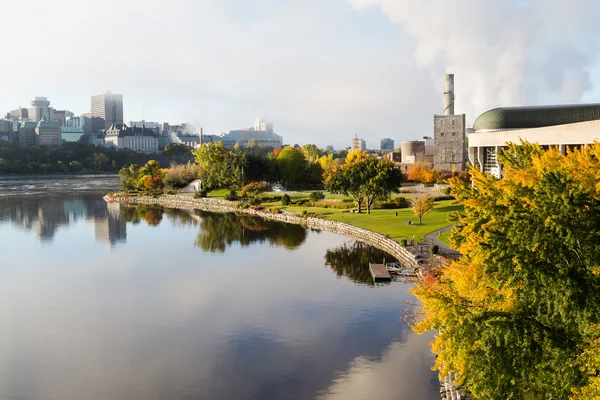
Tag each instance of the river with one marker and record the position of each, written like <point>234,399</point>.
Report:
<point>102,301</point>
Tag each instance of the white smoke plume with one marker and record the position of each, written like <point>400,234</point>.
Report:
<point>503,52</point>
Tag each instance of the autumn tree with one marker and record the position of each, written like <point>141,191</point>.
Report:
<point>219,166</point>
<point>291,165</point>
<point>365,179</point>
<point>518,315</point>
<point>422,172</point>
<point>422,206</point>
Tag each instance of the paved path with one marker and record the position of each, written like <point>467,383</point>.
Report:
<point>444,248</point>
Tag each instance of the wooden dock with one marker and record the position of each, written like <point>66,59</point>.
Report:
<point>379,273</point>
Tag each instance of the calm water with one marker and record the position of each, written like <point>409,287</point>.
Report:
<point>99,301</point>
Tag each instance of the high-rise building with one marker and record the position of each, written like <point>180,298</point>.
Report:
<point>450,151</point>
<point>387,145</point>
<point>106,110</point>
<point>358,143</point>
<point>40,108</point>
<point>261,124</point>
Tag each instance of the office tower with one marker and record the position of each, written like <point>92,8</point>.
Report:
<point>106,110</point>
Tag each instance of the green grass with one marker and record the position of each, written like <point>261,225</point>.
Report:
<point>218,193</point>
<point>387,223</point>
<point>445,237</point>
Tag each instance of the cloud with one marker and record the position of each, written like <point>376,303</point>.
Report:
<point>321,70</point>
<point>502,52</point>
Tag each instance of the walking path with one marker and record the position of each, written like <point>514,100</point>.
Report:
<point>444,248</point>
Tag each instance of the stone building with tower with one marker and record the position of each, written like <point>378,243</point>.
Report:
<point>449,134</point>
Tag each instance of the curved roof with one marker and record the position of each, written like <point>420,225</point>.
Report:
<point>536,117</point>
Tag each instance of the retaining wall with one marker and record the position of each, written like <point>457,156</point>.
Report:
<point>215,205</point>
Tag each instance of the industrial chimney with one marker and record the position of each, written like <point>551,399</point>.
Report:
<point>449,95</point>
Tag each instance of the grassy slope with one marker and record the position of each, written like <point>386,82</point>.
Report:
<point>386,222</point>
<point>445,237</point>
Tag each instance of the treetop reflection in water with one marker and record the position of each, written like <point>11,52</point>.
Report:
<point>220,230</point>
<point>156,317</point>
<point>353,261</point>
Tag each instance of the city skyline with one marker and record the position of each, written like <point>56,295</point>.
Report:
<point>364,66</point>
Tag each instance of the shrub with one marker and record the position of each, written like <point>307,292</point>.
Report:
<point>200,194</point>
<point>231,195</point>
<point>448,191</point>
<point>334,203</point>
<point>179,176</point>
<point>387,205</point>
<point>444,176</point>
<point>434,249</point>
<point>254,188</point>
<point>255,201</point>
<point>440,198</point>
<point>285,199</point>
<point>404,243</point>
<point>302,202</point>
<point>401,202</point>
<point>316,196</point>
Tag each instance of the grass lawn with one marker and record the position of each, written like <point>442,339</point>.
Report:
<point>387,223</point>
<point>445,237</point>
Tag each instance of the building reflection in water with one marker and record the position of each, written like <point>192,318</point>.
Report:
<point>46,214</point>
<point>111,229</point>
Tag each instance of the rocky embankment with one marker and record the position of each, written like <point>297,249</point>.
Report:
<point>215,205</point>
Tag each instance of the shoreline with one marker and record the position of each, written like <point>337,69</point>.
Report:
<point>216,205</point>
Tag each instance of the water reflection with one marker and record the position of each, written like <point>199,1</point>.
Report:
<point>80,321</point>
<point>46,214</point>
<point>220,231</point>
<point>353,261</point>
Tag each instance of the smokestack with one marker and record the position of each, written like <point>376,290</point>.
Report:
<point>201,135</point>
<point>449,95</point>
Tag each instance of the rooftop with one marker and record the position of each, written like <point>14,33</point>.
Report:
<point>536,117</point>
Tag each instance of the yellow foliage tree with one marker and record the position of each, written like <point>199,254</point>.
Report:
<point>422,206</point>
<point>517,315</point>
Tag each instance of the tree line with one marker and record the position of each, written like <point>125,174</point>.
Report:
<point>78,157</point>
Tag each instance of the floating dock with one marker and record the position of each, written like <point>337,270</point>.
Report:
<point>379,273</point>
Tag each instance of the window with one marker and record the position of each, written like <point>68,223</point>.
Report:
<point>453,122</point>
<point>453,133</point>
<point>442,134</point>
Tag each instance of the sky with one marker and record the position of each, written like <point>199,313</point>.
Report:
<point>320,70</point>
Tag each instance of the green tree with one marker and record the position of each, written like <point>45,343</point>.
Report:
<point>518,314</point>
<point>291,165</point>
<point>220,167</point>
<point>365,179</point>
<point>422,206</point>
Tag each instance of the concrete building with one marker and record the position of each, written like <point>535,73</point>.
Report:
<point>49,133</point>
<point>71,133</point>
<point>40,108</point>
<point>20,114</point>
<point>261,124</point>
<point>563,126</point>
<point>61,116</point>
<point>418,151</point>
<point>189,139</point>
<point>394,156</point>
<point>449,134</point>
<point>387,145</point>
<point>358,143</point>
<point>26,137</point>
<point>81,121</point>
<point>106,110</point>
<point>263,136</point>
<point>142,140</point>
<point>155,126</point>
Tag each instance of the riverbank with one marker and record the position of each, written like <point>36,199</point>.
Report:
<point>217,205</point>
